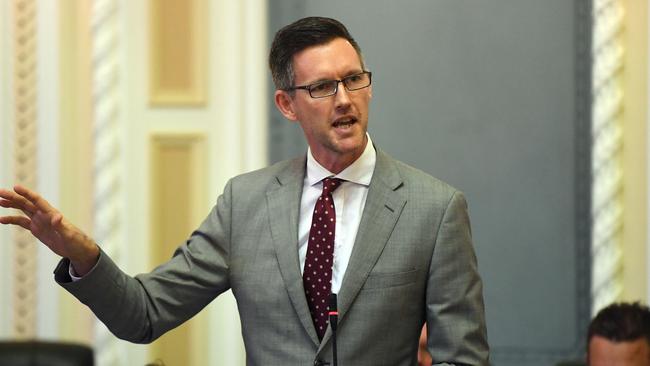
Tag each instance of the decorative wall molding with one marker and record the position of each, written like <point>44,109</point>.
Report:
<point>105,58</point>
<point>607,106</point>
<point>25,162</point>
<point>177,53</point>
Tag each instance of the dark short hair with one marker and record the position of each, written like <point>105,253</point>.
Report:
<point>298,36</point>
<point>621,322</point>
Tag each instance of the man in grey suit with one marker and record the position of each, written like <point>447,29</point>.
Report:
<point>397,250</point>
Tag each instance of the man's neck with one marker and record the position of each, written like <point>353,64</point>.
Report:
<point>338,163</point>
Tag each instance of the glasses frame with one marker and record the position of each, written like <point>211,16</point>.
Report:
<point>308,87</point>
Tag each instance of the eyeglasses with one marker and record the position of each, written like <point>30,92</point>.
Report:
<point>327,88</point>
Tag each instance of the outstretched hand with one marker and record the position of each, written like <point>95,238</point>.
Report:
<point>49,226</point>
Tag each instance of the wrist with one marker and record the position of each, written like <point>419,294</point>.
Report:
<point>85,262</point>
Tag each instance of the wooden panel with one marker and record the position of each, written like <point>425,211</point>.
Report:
<point>177,57</point>
<point>177,201</point>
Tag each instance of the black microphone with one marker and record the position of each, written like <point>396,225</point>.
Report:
<point>334,318</point>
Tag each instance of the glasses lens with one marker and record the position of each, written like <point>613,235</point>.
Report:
<point>358,81</point>
<point>323,89</point>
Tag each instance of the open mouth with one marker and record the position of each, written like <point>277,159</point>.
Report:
<point>344,122</point>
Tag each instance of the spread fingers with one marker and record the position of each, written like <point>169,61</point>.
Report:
<point>11,199</point>
<point>34,198</point>
<point>21,221</point>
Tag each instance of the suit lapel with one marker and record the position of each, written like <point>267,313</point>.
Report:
<point>283,203</point>
<point>382,210</point>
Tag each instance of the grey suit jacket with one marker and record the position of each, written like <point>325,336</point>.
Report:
<point>412,262</point>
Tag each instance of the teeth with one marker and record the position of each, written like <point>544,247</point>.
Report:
<point>343,122</point>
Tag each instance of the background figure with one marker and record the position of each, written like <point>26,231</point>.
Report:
<point>620,335</point>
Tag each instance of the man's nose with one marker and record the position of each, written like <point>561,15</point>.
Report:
<point>342,98</point>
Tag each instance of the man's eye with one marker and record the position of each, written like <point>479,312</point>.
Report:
<point>321,86</point>
<point>353,78</point>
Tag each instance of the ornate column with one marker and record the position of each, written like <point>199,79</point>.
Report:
<point>107,156</point>
<point>607,108</point>
<point>25,164</point>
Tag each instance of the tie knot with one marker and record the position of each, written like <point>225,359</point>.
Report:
<point>330,185</point>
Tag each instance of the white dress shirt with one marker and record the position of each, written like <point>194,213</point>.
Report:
<point>349,201</point>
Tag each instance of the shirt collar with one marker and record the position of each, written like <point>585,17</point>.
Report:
<point>359,172</point>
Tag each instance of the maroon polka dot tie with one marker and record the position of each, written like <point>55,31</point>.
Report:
<point>317,275</point>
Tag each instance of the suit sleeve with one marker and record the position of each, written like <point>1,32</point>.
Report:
<point>142,308</point>
<point>455,311</point>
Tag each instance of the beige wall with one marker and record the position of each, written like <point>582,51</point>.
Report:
<point>635,154</point>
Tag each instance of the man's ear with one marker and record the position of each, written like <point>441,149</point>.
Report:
<point>284,102</point>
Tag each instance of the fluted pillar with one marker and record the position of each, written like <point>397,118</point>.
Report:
<point>607,135</point>
<point>107,192</point>
<point>24,163</point>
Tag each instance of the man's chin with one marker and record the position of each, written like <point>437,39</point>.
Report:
<point>351,146</point>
